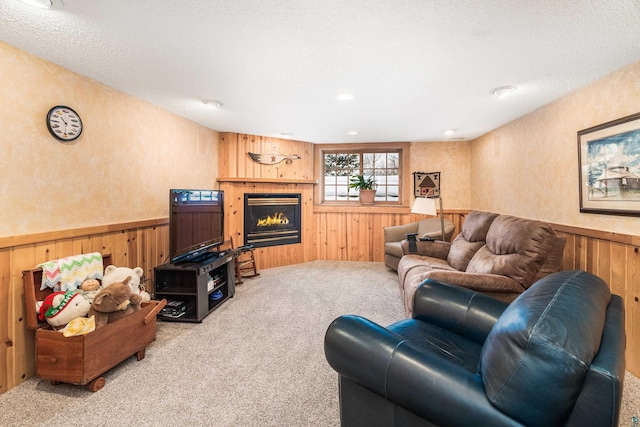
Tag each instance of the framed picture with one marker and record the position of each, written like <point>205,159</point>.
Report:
<point>609,161</point>
<point>426,184</point>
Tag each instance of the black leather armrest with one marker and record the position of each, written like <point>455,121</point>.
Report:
<point>424,383</point>
<point>360,350</point>
<point>606,372</point>
<point>465,312</point>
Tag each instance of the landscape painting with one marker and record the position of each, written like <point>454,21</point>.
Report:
<point>609,158</point>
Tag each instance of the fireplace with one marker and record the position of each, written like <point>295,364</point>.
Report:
<point>272,219</point>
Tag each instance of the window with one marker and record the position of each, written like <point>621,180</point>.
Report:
<point>383,165</point>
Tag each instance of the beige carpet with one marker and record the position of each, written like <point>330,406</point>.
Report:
<point>256,361</point>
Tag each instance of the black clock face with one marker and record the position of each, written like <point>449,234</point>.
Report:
<point>64,123</point>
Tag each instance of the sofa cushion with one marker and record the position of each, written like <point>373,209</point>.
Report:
<point>535,358</point>
<point>554,259</point>
<point>515,247</point>
<point>471,238</point>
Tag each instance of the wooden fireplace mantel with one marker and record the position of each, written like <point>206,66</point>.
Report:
<point>269,180</point>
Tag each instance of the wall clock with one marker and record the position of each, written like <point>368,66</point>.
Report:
<point>64,123</point>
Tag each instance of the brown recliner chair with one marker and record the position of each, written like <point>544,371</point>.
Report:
<point>498,255</point>
<point>394,235</point>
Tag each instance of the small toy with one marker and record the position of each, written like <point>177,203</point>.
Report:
<point>89,288</point>
<point>113,302</point>
<point>113,274</point>
<point>59,308</point>
<point>79,326</point>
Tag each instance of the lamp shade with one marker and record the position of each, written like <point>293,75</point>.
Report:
<point>424,206</point>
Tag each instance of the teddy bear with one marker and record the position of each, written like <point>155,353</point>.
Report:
<point>113,302</point>
<point>59,308</point>
<point>113,274</point>
<point>89,288</point>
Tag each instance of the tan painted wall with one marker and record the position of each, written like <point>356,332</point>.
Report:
<point>453,160</point>
<point>128,148</point>
<point>529,167</point>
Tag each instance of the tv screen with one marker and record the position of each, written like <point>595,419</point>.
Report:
<point>196,223</point>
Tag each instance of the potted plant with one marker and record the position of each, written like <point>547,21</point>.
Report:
<point>366,187</point>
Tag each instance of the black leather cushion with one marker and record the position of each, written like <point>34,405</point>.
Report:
<point>535,358</point>
<point>432,339</point>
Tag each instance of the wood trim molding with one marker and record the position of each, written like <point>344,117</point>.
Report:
<point>268,180</point>
<point>627,239</point>
<point>29,239</point>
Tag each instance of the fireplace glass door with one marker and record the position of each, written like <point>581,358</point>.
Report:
<point>272,219</point>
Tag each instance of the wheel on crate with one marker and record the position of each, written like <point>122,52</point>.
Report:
<point>96,384</point>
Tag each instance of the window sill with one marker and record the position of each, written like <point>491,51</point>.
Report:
<point>357,207</point>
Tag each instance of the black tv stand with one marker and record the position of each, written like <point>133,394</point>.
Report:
<point>201,258</point>
<point>202,286</point>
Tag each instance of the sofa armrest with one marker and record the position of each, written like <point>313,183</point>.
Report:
<point>434,248</point>
<point>478,282</point>
<point>460,310</point>
<point>606,374</point>
<point>393,368</point>
<point>360,350</point>
<point>397,233</point>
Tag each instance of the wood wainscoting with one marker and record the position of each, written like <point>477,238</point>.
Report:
<point>616,259</point>
<point>137,244</point>
<point>337,233</point>
<point>350,234</point>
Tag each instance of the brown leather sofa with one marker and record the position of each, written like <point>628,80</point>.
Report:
<point>498,255</point>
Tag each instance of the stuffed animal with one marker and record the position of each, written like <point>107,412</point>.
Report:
<point>113,274</point>
<point>113,302</point>
<point>89,288</point>
<point>59,308</point>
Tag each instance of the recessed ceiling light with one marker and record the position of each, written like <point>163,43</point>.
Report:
<point>449,131</point>
<point>353,132</point>
<point>502,91</point>
<point>286,134</point>
<point>44,4</point>
<point>213,103</point>
<point>345,97</point>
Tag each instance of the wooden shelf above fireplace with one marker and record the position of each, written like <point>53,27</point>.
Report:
<point>268,180</point>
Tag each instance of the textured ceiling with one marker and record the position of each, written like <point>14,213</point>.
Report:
<point>415,67</point>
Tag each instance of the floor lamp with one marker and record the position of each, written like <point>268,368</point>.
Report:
<point>427,206</point>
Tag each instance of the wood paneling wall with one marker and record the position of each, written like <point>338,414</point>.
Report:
<point>359,236</point>
<point>350,236</point>
<point>144,244</point>
<point>616,259</point>
<point>237,163</point>
<point>272,256</point>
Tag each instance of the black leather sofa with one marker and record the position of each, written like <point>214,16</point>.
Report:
<point>553,357</point>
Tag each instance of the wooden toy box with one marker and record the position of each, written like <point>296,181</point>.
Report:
<point>83,359</point>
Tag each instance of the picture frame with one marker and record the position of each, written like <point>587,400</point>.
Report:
<point>609,167</point>
<point>426,184</point>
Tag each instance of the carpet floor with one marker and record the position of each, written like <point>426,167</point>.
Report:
<point>258,360</point>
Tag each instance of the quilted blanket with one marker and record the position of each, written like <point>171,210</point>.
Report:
<point>68,273</point>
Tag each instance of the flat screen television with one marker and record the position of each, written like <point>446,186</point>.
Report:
<point>196,224</point>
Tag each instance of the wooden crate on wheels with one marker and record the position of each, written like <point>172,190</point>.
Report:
<point>83,359</point>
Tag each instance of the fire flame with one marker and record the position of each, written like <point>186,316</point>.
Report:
<point>278,218</point>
